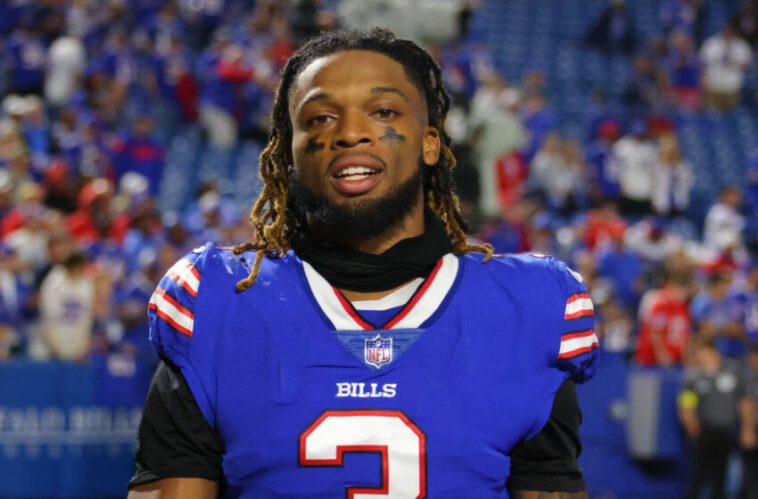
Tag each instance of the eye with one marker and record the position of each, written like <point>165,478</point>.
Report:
<point>321,119</point>
<point>386,113</point>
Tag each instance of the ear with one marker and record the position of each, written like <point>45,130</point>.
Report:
<point>431,146</point>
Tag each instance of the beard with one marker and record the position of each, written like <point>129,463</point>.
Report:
<point>342,222</point>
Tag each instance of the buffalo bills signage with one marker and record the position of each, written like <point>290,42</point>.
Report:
<point>378,351</point>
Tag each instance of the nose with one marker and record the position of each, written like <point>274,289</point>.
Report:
<point>352,131</point>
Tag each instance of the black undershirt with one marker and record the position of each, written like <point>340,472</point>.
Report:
<point>174,440</point>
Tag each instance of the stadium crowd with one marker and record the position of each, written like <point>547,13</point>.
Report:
<point>92,92</point>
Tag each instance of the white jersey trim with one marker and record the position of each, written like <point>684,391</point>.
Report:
<point>427,301</point>
<point>397,298</point>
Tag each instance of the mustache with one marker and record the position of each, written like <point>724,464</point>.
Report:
<point>353,153</point>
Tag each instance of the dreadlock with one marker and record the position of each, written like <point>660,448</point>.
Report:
<point>270,216</point>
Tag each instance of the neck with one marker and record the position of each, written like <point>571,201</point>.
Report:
<point>411,226</point>
<point>370,268</point>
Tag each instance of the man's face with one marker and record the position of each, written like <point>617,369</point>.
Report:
<point>359,127</point>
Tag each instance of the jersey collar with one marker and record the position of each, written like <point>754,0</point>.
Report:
<point>422,305</point>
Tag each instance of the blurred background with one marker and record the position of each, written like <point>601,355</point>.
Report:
<point>619,136</point>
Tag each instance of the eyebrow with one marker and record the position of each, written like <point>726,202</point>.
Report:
<point>315,98</point>
<point>380,90</point>
<point>374,90</point>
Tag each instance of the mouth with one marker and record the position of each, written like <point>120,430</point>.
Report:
<point>356,174</point>
<point>353,173</point>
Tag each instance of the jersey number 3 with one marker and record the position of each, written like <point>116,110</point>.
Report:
<point>400,442</point>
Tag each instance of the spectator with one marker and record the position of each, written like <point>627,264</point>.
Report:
<point>508,233</point>
<point>60,187</point>
<point>30,238</point>
<point>641,91</point>
<point>725,59</point>
<point>95,219</point>
<point>428,22</point>
<point>11,302</point>
<point>687,16</point>
<point>175,78</point>
<point>559,172</point>
<point>498,131</point>
<point>66,61</point>
<point>664,318</point>
<point>59,245</point>
<point>24,57</point>
<point>722,230</point>
<point>603,226</point>
<point>93,152</point>
<point>112,72</point>
<point>652,241</point>
<point>746,22</point>
<point>602,164</point>
<point>613,31</point>
<point>302,20</point>
<point>636,157</point>
<point>623,268</point>
<point>511,171</point>
<point>541,235</point>
<point>547,161</point>
<point>12,145</point>
<point>539,119</point>
<point>683,70</point>
<point>709,409</point>
<point>717,315</point>
<point>219,106</point>
<point>144,238</point>
<point>576,167</point>
<point>672,178</point>
<point>131,299</point>
<point>614,325</point>
<point>747,298</point>
<point>141,153</point>
<point>67,307</point>
<point>597,114</point>
<point>36,133</point>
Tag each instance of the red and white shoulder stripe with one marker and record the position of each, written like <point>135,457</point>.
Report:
<point>576,343</point>
<point>185,275</point>
<point>170,310</point>
<point>579,305</point>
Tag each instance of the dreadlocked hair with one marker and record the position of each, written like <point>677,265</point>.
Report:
<point>271,217</point>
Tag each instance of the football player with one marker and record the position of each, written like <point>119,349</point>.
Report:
<point>386,356</point>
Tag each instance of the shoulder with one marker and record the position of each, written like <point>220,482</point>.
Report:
<point>557,299</point>
<point>214,266</point>
<point>193,305</point>
<point>529,271</point>
<point>199,288</point>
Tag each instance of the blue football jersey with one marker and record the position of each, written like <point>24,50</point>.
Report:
<point>312,400</point>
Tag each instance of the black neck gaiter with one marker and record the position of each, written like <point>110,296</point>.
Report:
<point>364,272</point>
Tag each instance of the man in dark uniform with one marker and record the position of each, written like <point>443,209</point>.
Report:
<point>710,408</point>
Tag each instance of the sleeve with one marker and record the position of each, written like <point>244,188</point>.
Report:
<point>577,352</point>
<point>174,330</point>
<point>687,398</point>
<point>548,461</point>
<point>174,440</point>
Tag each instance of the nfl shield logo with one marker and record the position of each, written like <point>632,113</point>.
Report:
<point>378,351</point>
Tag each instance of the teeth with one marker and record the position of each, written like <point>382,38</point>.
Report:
<point>360,171</point>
